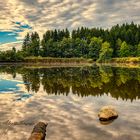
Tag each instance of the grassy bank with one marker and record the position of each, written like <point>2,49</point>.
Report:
<point>127,60</point>
<point>73,61</point>
<point>57,61</point>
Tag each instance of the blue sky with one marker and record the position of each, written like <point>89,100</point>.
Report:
<point>11,38</point>
<point>13,34</point>
<point>21,16</point>
<point>7,36</point>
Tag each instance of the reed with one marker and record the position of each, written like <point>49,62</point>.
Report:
<point>134,60</point>
<point>50,60</point>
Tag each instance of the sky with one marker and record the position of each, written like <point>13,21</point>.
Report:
<point>17,17</point>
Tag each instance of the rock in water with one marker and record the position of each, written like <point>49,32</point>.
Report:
<point>107,113</point>
<point>39,132</point>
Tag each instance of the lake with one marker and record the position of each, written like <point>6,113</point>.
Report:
<point>69,99</point>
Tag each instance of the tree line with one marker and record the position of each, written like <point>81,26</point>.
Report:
<point>95,43</point>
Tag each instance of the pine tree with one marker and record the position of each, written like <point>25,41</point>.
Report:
<point>35,44</point>
<point>26,42</point>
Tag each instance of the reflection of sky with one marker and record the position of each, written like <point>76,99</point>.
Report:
<point>11,36</point>
<point>13,86</point>
<point>8,86</point>
<point>69,118</point>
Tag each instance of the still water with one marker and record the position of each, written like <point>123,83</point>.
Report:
<point>69,99</point>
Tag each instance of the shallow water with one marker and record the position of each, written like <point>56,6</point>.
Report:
<point>69,99</point>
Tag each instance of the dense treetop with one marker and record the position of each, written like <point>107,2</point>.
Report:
<point>96,43</point>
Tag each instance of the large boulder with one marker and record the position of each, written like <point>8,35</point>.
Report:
<point>107,113</point>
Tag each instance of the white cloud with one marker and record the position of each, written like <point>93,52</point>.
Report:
<point>9,46</point>
<point>43,14</point>
<point>49,14</point>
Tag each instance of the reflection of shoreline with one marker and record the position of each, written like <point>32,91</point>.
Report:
<point>120,65</point>
<point>47,65</point>
<point>81,81</point>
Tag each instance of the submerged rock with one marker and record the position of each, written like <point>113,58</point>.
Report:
<point>107,113</point>
<point>39,132</point>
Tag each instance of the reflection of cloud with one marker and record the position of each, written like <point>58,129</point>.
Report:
<point>9,86</point>
<point>69,118</point>
<point>4,76</point>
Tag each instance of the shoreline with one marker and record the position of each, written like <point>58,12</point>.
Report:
<point>73,62</point>
<point>39,65</point>
<point>123,65</point>
<point>39,61</point>
<point>46,64</point>
<point>126,60</point>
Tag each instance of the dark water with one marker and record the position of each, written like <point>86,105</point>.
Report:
<point>69,100</point>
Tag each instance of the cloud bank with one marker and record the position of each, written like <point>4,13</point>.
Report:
<point>40,15</point>
<point>9,46</point>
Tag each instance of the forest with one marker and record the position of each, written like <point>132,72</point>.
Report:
<point>97,44</point>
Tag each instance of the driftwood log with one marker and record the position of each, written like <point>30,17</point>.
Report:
<point>39,132</point>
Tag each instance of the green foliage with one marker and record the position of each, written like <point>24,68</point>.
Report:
<point>82,42</point>
<point>132,60</point>
<point>138,50</point>
<point>94,47</point>
<point>118,46</point>
<point>124,50</point>
<point>105,53</point>
<point>26,42</point>
<point>10,56</point>
<point>35,44</point>
<point>31,44</point>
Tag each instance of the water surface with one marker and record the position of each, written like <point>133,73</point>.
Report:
<point>69,100</point>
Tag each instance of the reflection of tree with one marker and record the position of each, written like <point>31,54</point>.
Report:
<point>53,82</point>
<point>9,70</point>
<point>106,74</point>
<point>138,76</point>
<point>121,83</point>
<point>123,76</point>
<point>31,79</point>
